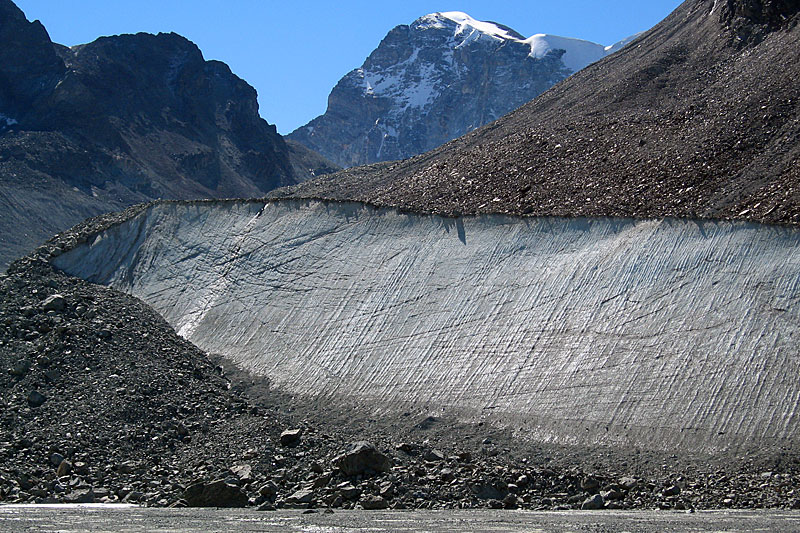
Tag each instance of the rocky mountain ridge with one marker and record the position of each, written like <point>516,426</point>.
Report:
<point>685,122</point>
<point>122,120</point>
<point>434,80</point>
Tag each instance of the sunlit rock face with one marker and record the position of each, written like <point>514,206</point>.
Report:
<point>669,334</point>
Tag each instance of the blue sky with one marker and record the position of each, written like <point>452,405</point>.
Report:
<point>293,53</point>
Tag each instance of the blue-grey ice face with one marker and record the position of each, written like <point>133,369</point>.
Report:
<point>663,333</point>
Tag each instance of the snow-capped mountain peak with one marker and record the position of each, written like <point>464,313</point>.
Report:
<point>439,77</point>
<point>466,24</point>
<point>578,53</point>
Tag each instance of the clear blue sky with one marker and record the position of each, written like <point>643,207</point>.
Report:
<point>294,52</point>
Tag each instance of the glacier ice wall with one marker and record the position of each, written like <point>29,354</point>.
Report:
<point>661,333</point>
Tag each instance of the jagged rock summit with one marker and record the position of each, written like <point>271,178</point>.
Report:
<point>699,117</point>
<point>121,120</point>
<point>29,62</point>
<point>434,80</point>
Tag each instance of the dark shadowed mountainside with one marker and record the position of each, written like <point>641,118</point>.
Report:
<point>121,120</point>
<point>700,117</point>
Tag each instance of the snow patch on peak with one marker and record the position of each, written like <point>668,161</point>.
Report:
<point>6,121</point>
<point>412,84</point>
<point>579,53</point>
<point>465,23</point>
<point>432,21</point>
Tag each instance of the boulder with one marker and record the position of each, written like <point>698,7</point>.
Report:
<point>55,302</point>
<point>127,467</point>
<point>20,368</point>
<point>590,484</point>
<point>410,449</point>
<point>370,502</point>
<point>36,399</point>
<point>301,496</point>
<point>510,501</point>
<point>268,489</point>
<point>486,491</point>
<point>348,491</point>
<point>64,468</point>
<point>80,496</point>
<point>495,504</point>
<point>266,506</point>
<point>291,437</point>
<point>612,494</point>
<point>387,490</point>
<point>433,456</point>
<point>215,494</point>
<point>594,503</point>
<point>362,458</point>
<point>243,472</point>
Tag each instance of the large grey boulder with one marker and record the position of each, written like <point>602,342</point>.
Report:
<point>594,503</point>
<point>362,458</point>
<point>55,302</point>
<point>371,502</point>
<point>291,437</point>
<point>215,494</point>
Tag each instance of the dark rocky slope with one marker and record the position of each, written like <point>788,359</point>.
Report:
<point>121,120</point>
<point>700,117</point>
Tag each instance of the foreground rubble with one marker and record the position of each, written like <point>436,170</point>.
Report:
<point>102,402</point>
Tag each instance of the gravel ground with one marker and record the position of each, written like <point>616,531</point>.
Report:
<point>41,518</point>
